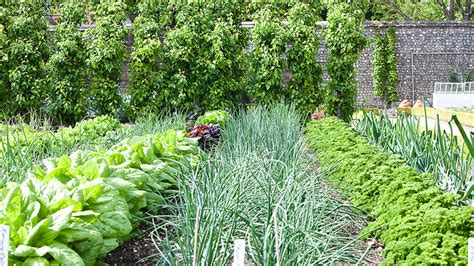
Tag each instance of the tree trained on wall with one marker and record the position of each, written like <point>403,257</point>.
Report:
<point>203,56</point>
<point>269,39</point>
<point>67,66</point>
<point>3,64</point>
<point>146,75</point>
<point>285,46</point>
<point>27,51</point>
<point>392,74</point>
<point>345,41</point>
<point>304,88</point>
<point>106,54</point>
<point>384,75</point>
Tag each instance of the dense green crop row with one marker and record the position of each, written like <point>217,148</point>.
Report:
<point>415,220</point>
<point>428,151</point>
<point>75,209</point>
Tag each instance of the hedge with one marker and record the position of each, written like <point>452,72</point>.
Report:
<point>415,220</point>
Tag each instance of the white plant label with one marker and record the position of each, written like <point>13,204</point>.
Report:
<point>4,244</point>
<point>239,252</point>
<point>470,254</point>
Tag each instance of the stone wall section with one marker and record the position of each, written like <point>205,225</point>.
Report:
<point>427,52</point>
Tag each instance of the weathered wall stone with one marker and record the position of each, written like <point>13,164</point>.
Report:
<point>427,52</point>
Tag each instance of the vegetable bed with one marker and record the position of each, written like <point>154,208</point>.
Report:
<point>416,221</point>
<point>75,209</point>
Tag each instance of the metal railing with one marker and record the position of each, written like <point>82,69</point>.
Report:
<point>453,87</point>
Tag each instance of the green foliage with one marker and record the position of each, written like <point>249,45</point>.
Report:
<point>106,55</point>
<point>213,117</point>
<point>146,75</point>
<point>345,41</point>
<point>77,208</point>
<point>414,219</point>
<point>67,67</point>
<point>91,129</point>
<point>385,74</point>
<point>453,76</point>
<point>3,64</point>
<point>267,63</point>
<point>25,31</point>
<point>285,46</point>
<point>391,56</point>
<point>200,60</point>
<point>257,185</point>
<point>305,87</point>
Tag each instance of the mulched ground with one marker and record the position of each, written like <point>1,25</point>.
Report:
<point>137,251</point>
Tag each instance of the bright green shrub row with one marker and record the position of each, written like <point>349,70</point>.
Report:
<point>75,209</point>
<point>416,221</point>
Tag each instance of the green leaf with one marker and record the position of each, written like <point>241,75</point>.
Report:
<point>113,224</point>
<point>65,255</point>
<point>35,261</point>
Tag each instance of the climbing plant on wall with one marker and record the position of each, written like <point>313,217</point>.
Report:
<point>269,40</point>
<point>384,75</point>
<point>3,64</point>
<point>392,78</point>
<point>200,60</point>
<point>25,30</point>
<point>146,75</point>
<point>285,44</point>
<point>106,54</point>
<point>204,56</point>
<point>67,66</point>
<point>345,41</point>
<point>306,73</point>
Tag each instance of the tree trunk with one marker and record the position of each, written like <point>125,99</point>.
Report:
<point>451,7</point>
<point>448,11</point>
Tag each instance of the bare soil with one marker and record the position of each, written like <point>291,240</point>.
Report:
<point>137,251</point>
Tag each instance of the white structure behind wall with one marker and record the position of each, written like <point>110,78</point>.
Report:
<point>453,94</point>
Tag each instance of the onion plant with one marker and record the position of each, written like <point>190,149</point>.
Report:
<point>256,185</point>
<point>429,151</point>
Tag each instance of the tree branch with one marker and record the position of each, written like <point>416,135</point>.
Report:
<point>467,12</point>
<point>443,8</point>
<point>397,9</point>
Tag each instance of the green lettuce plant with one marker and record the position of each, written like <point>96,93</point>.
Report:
<point>77,208</point>
<point>213,117</point>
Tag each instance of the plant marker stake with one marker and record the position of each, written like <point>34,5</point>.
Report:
<point>470,254</point>
<point>277,240</point>
<point>239,252</point>
<point>4,244</point>
<point>196,234</point>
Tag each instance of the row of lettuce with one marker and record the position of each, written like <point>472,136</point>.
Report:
<point>417,222</point>
<point>74,209</point>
